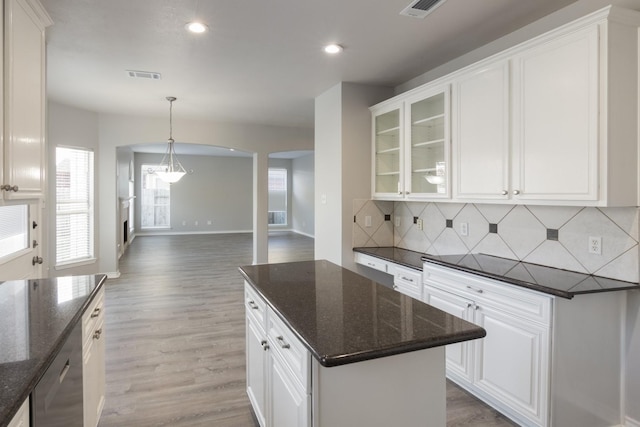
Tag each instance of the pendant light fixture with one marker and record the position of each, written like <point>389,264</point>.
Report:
<point>170,169</point>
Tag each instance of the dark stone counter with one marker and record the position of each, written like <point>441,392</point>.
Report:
<point>342,317</point>
<point>549,280</point>
<point>36,317</point>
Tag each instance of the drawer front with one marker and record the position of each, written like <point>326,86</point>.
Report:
<point>521,302</point>
<point>290,349</point>
<point>255,305</point>
<point>372,262</point>
<point>92,315</point>
<point>407,281</point>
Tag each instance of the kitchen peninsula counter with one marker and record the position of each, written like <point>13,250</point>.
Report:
<point>37,317</point>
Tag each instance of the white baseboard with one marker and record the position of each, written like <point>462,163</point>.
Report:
<point>304,234</point>
<point>630,422</point>
<point>179,233</point>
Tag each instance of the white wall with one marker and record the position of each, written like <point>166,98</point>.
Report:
<point>70,127</point>
<point>119,130</point>
<point>303,195</point>
<point>219,190</point>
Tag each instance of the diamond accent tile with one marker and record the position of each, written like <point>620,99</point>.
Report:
<point>434,222</point>
<point>592,222</point>
<point>522,231</point>
<point>621,267</point>
<point>492,244</point>
<point>478,225</point>
<point>554,216</point>
<point>448,243</point>
<point>553,254</point>
<point>494,213</point>
<point>625,218</point>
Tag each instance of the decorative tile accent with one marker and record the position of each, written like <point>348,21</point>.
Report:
<point>449,223</point>
<point>522,231</point>
<point>415,219</point>
<point>387,217</point>
<point>493,228</point>
<point>552,234</point>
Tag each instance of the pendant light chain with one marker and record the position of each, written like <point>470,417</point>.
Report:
<point>170,168</point>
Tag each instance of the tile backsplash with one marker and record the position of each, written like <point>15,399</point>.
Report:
<point>555,236</point>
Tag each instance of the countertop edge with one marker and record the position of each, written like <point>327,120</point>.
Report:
<point>10,411</point>
<point>338,360</point>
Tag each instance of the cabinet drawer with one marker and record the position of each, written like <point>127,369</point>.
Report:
<point>407,281</point>
<point>372,262</point>
<point>512,299</point>
<point>255,305</point>
<point>290,349</point>
<point>92,315</point>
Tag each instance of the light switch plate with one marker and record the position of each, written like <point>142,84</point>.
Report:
<point>464,228</point>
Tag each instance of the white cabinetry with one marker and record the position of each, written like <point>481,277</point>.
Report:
<point>411,146</point>
<point>23,151</point>
<point>93,360</point>
<point>406,280</point>
<point>21,418</point>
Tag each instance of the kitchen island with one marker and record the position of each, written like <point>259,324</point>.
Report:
<point>328,347</point>
<point>37,318</point>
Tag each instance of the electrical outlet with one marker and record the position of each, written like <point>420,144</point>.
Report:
<point>397,221</point>
<point>595,245</point>
<point>367,221</point>
<point>419,224</point>
<point>464,228</point>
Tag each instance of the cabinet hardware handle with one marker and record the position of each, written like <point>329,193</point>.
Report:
<point>407,279</point>
<point>34,225</point>
<point>35,244</point>
<point>516,192</point>
<point>505,192</point>
<point>37,260</point>
<point>469,305</point>
<point>8,187</point>
<point>283,344</point>
<point>477,307</point>
<point>370,264</point>
<point>264,345</point>
<point>475,290</point>
<point>407,192</point>
<point>96,334</point>
<point>96,312</point>
<point>400,193</point>
<point>395,286</point>
<point>253,305</point>
<point>65,370</point>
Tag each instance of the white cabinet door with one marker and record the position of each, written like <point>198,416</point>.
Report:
<point>512,363</point>
<point>556,101</point>
<point>481,139</point>
<point>93,377</point>
<point>24,100</point>
<point>459,355</point>
<point>387,179</point>
<point>256,363</point>
<point>288,404</point>
<point>21,418</point>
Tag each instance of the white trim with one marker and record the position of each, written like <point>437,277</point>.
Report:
<point>72,264</point>
<point>304,234</point>
<point>630,422</point>
<point>179,233</point>
<point>112,274</point>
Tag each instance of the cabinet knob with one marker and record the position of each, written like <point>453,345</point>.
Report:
<point>36,260</point>
<point>264,345</point>
<point>395,286</point>
<point>505,192</point>
<point>96,312</point>
<point>282,342</point>
<point>8,187</point>
<point>96,334</point>
<point>253,305</point>
<point>516,192</point>
<point>400,193</point>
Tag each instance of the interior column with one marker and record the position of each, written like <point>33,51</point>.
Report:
<point>260,208</point>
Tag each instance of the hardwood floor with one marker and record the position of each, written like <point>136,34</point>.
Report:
<point>175,334</point>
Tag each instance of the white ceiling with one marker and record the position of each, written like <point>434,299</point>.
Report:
<point>261,61</point>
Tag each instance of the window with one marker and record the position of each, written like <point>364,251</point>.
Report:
<point>277,196</point>
<point>14,229</point>
<point>74,205</point>
<point>155,200</point>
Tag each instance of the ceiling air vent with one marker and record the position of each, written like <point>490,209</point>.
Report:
<point>421,8</point>
<point>151,75</point>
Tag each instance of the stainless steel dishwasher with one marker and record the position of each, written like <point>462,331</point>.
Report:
<point>57,399</point>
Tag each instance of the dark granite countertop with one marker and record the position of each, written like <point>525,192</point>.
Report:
<point>549,280</point>
<point>343,317</point>
<point>36,318</point>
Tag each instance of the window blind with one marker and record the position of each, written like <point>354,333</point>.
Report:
<point>14,229</point>
<point>74,205</point>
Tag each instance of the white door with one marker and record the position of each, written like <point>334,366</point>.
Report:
<point>512,361</point>
<point>556,119</point>
<point>459,355</point>
<point>289,405</point>
<point>481,133</point>
<point>256,364</point>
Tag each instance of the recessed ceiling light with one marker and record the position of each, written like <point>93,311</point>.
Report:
<point>197,27</point>
<point>333,48</point>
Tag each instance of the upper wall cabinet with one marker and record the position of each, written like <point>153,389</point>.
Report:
<point>23,163</point>
<point>551,121</point>
<point>411,147</point>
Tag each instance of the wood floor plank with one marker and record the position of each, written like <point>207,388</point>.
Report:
<point>175,334</point>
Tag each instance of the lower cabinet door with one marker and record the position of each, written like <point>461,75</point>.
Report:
<point>512,364</point>
<point>256,363</point>
<point>459,355</point>
<point>93,376</point>
<point>289,404</point>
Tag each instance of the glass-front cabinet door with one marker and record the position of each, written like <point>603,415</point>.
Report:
<point>387,152</point>
<point>427,157</point>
